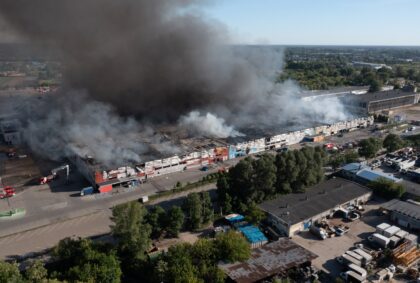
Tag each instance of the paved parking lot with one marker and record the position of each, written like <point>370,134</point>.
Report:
<point>330,248</point>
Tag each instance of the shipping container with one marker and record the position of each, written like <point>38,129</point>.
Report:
<point>382,227</point>
<point>391,231</point>
<point>105,189</point>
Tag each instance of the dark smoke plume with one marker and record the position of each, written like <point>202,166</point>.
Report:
<point>150,58</point>
<point>156,60</point>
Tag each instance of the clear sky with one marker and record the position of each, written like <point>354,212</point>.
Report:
<point>319,22</point>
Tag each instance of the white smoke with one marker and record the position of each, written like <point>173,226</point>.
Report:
<point>208,125</point>
<point>55,127</point>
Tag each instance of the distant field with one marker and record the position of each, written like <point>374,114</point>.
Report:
<point>16,82</point>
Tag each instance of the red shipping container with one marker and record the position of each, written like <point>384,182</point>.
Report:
<point>105,189</point>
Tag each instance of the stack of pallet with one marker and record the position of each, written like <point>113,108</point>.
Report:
<point>406,254</point>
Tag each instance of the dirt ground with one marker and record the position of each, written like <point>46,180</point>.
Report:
<point>411,113</point>
<point>328,249</point>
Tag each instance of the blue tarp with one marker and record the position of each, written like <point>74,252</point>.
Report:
<point>237,218</point>
<point>253,234</point>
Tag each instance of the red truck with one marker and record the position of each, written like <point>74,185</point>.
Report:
<point>7,192</point>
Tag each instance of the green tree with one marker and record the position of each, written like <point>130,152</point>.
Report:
<point>264,178</point>
<point>82,261</point>
<point>36,272</point>
<point>9,273</point>
<point>156,218</point>
<point>175,221</point>
<point>207,207</point>
<point>375,85</point>
<point>223,194</point>
<point>180,268</point>
<point>130,229</point>
<point>393,142</point>
<point>254,215</point>
<point>193,209</point>
<point>369,147</point>
<point>232,246</point>
<point>387,189</point>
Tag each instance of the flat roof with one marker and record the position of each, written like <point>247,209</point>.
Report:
<point>410,209</point>
<point>294,208</point>
<point>383,95</point>
<point>268,260</point>
<point>372,175</point>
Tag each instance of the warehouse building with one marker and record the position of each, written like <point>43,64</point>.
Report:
<point>297,212</point>
<point>380,101</point>
<point>405,214</point>
<point>274,259</point>
<point>363,174</point>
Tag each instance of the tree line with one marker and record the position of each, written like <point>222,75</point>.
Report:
<point>323,74</point>
<point>252,181</point>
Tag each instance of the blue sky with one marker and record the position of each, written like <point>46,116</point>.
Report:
<point>313,22</point>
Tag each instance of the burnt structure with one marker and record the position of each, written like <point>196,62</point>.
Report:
<point>274,259</point>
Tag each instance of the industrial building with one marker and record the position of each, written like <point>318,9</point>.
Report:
<point>297,212</point>
<point>273,259</point>
<point>333,93</point>
<point>374,102</point>
<point>10,131</point>
<point>105,178</point>
<point>404,213</point>
<point>363,174</point>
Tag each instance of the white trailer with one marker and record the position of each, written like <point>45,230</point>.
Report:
<point>359,270</point>
<point>366,257</point>
<point>391,231</point>
<point>348,259</point>
<point>382,227</point>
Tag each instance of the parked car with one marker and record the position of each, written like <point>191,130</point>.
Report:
<point>353,216</point>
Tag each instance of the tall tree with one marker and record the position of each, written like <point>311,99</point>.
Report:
<point>232,247</point>
<point>264,178</point>
<point>369,147</point>
<point>36,272</point>
<point>130,229</point>
<point>156,218</point>
<point>83,261</point>
<point>175,221</point>
<point>9,272</point>
<point>393,142</point>
<point>207,207</point>
<point>193,209</point>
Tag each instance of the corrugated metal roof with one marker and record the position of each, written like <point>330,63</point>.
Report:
<point>406,208</point>
<point>371,175</point>
<point>294,208</point>
<point>269,260</point>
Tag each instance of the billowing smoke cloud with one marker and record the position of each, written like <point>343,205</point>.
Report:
<point>156,60</point>
<point>62,127</point>
<point>208,124</point>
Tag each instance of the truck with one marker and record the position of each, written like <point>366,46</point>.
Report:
<point>7,192</point>
<point>87,191</point>
<point>379,240</point>
<point>318,231</point>
<point>54,173</point>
